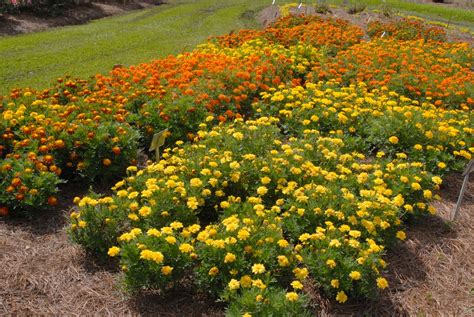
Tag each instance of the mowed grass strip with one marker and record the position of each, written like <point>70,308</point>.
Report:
<point>35,60</point>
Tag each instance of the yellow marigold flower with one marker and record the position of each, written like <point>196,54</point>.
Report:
<point>132,195</point>
<point>297,285</point>
<point>135,231</point>
<point>195,182</point>
<point>192,203</point>
<point>166,270</point>
<point>237,135</point>
<point>265,180</point>
<point>382,283</point>
<point>225,204</point>
<point>283,260</point>
<point>234,284</point>
<point>416,186</point>
<point>186,248</point>
<point>437,180</point>
<point>262,190</point>
<point>355,275</point>
<point>404,179</point>
<point>235,177</point>
<point>427,194</point>
<point>442,165</point>
<point>176,225</point>
<point>153,232</point>
<point>152,256</point>
<point>258,283</point>
<point>234,165</point>
<point>82,224</point>
<point>301,274</point>
<point>344,228</point>
<point>246,281</point>
<point>229,258</point>
<point>113,251</point>
<point>355,233</point>
<point>243,234</point>
<point>393,139</point>
<point>213,271</point>
<point>331,263</point>
<point>132,169</point>
<point>335,243</point>
<point>401,235</point>
<point>170,239</point>
<point>167,230</point>
<point>144,211</point>
<point>283,243</point>
<point>432,210</point>
<point>258,268</point>
<point>335,283</point>
<point>341,297</point>
<point>291,296</point>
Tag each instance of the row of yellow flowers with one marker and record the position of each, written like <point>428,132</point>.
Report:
<point>283,211</point>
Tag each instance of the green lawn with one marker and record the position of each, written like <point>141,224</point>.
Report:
<point>35,60</point>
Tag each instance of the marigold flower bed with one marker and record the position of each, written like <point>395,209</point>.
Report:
<point>272,178</point>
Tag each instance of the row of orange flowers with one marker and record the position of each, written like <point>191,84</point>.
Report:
<point>93,128</point>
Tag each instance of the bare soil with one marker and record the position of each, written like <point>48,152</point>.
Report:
<point>27,22</point>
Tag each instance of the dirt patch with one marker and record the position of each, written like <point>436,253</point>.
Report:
<point>12,24</point>
<point>268,15</point>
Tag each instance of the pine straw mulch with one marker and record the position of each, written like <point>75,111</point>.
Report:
<point>42,272</point>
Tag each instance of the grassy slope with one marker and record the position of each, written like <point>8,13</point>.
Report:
<point>36,59</point>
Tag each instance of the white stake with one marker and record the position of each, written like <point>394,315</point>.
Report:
<point>469,169</point>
